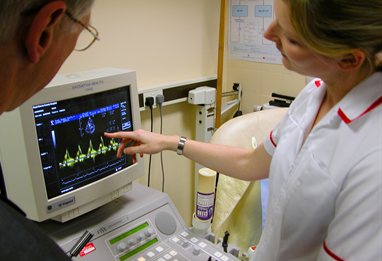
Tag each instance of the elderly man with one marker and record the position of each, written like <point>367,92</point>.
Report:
<point>36,36</point>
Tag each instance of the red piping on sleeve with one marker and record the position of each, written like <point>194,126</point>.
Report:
<point>272,140</point>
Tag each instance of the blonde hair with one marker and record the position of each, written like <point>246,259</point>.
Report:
<point>336,27</point>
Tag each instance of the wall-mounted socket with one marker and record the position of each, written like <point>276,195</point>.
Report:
<point>153,94</point>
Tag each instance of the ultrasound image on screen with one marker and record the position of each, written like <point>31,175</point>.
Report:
<point>73,150</point>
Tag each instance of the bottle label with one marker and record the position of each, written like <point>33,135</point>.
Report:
<point>204,205</point>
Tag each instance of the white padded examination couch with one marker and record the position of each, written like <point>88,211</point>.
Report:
<point>238,203</point>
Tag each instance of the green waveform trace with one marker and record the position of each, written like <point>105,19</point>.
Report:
<point>91,153</point>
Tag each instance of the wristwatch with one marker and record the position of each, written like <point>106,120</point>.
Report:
<point>181,143</point>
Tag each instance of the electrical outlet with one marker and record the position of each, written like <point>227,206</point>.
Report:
<point>153,94</point>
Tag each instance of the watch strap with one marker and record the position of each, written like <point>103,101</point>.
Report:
<point>181,143</point>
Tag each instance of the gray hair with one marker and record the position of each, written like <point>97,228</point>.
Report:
<point>11,13</point>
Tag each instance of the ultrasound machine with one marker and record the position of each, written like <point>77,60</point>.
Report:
<point>60,169</point>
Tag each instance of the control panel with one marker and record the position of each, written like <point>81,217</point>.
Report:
<point>141,225</point>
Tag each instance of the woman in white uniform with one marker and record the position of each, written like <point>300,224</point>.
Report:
<point>324,159</point>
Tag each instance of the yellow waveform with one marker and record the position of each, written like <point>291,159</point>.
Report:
<point>91,153</point>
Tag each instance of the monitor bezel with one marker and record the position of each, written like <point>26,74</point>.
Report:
<point>86,197</point>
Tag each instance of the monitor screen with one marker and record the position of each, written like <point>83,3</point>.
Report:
<point>56,163</point>
<point>72,147</point>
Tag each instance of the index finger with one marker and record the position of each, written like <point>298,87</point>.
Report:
<point>118,134</point>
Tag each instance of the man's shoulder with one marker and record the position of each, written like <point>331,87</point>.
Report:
<point>21,239</point>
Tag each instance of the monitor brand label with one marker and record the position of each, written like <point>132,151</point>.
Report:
<point>61,204</point>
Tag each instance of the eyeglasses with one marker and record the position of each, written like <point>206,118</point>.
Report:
<point>87,37</point>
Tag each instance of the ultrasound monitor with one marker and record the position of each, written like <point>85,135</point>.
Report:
<point>56,162</point>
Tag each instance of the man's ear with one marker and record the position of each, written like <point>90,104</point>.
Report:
<point>353,60</point>
<point>41,31</point>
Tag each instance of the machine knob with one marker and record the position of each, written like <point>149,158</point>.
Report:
<point>196,251</point>
<point>140,237</point>
<point>185,244</point>
<point>131,242</point>
<point>149,232</point>
<point>121,246</point>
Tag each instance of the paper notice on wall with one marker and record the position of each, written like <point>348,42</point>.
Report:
<point>248,21</point>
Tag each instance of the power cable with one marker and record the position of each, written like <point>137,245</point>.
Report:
<point>150,102</point>
<point>159,101</point>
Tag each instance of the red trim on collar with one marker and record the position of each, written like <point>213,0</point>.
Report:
<point>371,107</point>
<point>331,253</point>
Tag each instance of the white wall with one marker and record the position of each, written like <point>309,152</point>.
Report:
<point>259,80</point>
<point>164,40</point>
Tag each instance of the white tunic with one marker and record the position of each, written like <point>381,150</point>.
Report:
<point>325,200</point>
